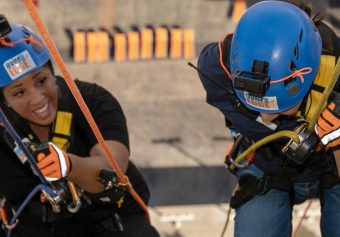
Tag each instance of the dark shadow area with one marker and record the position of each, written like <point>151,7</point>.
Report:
<point>335,21</point>
<point>189,185</point>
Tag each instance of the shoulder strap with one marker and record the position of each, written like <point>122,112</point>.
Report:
<point>62,129</point>
<point>325,71</point>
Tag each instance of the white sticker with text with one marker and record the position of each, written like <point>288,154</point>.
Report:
<point>266,102</point>
<point>19,65</point>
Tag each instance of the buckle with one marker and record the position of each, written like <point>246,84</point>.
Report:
<point>264,184</point>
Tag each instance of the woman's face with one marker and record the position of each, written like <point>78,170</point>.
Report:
<point>34,97</point>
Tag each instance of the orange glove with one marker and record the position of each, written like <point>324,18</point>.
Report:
<point>328,124</point>
<point>53,163</point>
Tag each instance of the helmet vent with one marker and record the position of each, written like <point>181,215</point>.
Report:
<point>291,86</point>
<point>26,32</point>
<point>296,51</point>
<point>288,81</point>
<point>292,66</point>
<point>300,36</point>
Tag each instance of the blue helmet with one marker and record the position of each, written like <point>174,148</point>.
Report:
<point>21,52</point>
<point>274,57</point>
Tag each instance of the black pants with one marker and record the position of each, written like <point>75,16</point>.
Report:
<point>134,225</point>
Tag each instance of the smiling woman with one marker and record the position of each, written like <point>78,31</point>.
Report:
<point>45,115</point>
<point>35,98</point>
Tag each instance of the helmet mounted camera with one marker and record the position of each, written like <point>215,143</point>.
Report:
<point>255,82</point>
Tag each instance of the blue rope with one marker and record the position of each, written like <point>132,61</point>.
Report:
<point>24,149</point>
<point>37,188</point>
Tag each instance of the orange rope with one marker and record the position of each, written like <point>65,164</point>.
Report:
<point>79,99</point>
<point>3,215</point>
<point>221,59</point>
<point>299,73</point>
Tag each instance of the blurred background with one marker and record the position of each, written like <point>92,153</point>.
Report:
<point>139,50</point>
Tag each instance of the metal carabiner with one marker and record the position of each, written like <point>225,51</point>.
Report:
<point>4,216</point>
<point>230,156</point>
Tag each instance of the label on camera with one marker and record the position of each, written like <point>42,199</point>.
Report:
<point>266,102</point>
<point>19,65</point>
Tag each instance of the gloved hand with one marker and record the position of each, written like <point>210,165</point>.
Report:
<point>53,163</point>
<point>328,124</point>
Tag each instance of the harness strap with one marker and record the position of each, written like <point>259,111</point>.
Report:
<point>324,73</point>
<point>250,186</point>
<point>62,129</point>
<point>286,179</point>
<point>325,170</point>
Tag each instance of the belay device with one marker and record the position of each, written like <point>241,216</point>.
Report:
<point>298,152</point>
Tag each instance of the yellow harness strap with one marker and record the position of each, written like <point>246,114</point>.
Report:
<point>62,130</point>
<point>325,71</point>
<point>61,135</point>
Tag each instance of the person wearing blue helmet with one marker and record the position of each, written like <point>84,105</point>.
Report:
<point>41,109</point>
<point>268,76</point>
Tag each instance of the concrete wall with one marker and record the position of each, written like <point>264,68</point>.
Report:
<point>209,18</point>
